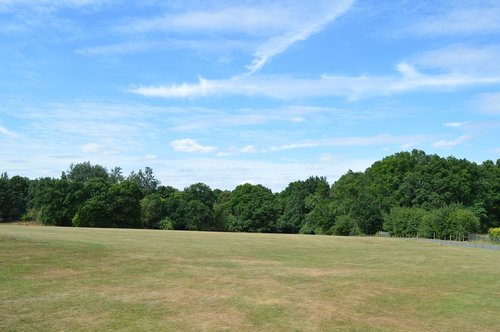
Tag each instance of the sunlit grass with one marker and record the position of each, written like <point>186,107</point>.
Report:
<point>109,279</point>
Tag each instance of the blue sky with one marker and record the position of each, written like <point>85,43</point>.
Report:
<point>227,92</point>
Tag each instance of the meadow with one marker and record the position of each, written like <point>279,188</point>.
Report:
<point>70,279</point>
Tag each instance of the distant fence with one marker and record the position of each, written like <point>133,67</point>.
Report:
<point>484,237</point>
<point>464,244</point>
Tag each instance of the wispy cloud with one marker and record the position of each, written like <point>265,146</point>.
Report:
<point>351,87</point>
<point>45,5</point>
<point>456,124</point>
<point>452,143</point>
<point>384,139</point>
<point>91,147</point>
<point>461,58</point>
<point>270,27</point>
<point>233,151</point>
<point>7,132</point>
<point>459,18</point>
<point>281,43</point>
<point>488,103</point>
<point>191,145</point>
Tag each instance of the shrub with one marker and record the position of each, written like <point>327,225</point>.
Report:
<point>345,225</point>
<point>403,221</point>
<point>462,222</point>
<point>165,224</point>
<point>494,233</point>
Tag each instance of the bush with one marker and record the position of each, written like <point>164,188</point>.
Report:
<point>345,225</point>
<point>165,224</point>
<point>403,221</point>
<point>494,233</point>
<point>453,221</point>
<point>462,222</point>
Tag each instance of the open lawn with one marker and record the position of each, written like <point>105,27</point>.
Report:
<point>113,279</point>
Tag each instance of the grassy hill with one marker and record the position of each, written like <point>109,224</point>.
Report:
<point>110,279</point>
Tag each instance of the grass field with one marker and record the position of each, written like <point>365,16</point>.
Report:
<point>139,280</point>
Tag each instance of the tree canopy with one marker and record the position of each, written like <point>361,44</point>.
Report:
<point>406,193</point>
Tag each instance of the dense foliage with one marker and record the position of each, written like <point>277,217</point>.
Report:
<point>406,194</point>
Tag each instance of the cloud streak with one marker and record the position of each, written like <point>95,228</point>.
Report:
<point>270,27</point>
<point>451,143</point>
<point>351,87</point>
<point>280,44</point>
<point>461,18</point>
<point>360,141</point>
<point>191,146</point>
<point>488,103</point>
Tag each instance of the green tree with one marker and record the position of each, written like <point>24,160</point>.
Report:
<point>252,208</point>
<point>18,192</point>
<point>51,201</point>
<point>152,210</point>
<point>345,225</point>
<point>292,201</point>
<point>119,206</point>
<point>5,200</point>
<point>83,172</point>
<point>404,221</point>
<point>145,180</point>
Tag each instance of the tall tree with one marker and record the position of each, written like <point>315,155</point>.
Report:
<point>252,208</point>
<point>83,172</point>
<point>145,179</point>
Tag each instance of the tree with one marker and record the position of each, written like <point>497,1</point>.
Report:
<point>83,172</point>
<point>5,201</point>
<point>152,210</point>
<point>119,206</point>
<point>292,201</point>
<point>453,221</point>
<point>51,201</point>
<point>404,221</point>
<point>196,216</point>
<point>345,225</point>
<point>116,175</point>
<point>252,208</point>
<point>200,192</point>
<point>18,191</point>
<point>319,218</point>
<point>146,180</point>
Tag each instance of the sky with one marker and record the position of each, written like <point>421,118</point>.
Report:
<point>230,92</point>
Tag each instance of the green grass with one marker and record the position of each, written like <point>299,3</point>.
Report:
<point>70,279</point>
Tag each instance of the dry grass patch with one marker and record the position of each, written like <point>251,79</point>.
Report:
<point>133,280</point>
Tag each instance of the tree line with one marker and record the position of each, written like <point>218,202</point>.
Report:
<point>406,194</point>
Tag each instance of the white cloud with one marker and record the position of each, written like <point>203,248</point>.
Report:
<point>237,151</point>
<point>126,47</point>
<point>6,132</point>
<point>91,147</point>
<point>460,18</point>
<point>248,149</point>
<point>451,143</point>
<point>270,27</point>
<point>488,103</point>
<point>190,145</point>
<point>456,124</point>
<point>298,119</point>
<point>215,45</point>
<point>353,141</point>
<point>351,87</point>
<point>253,20</point>
<point>324,157</point>
<point>304,30</point>
<point>461,58</point>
